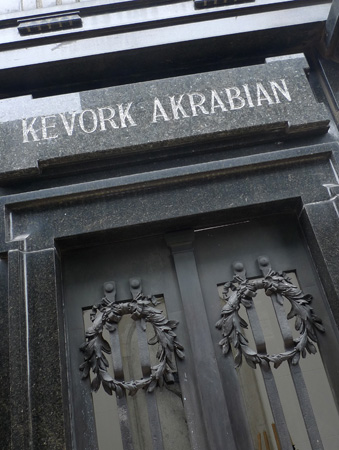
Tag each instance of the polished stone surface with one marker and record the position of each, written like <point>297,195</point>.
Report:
<point>199,184</point>
<point>257,102</point>
<point>5,423</point>
<point>323,239</point>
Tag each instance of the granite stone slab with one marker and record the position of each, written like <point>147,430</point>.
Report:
<point>227,105</point>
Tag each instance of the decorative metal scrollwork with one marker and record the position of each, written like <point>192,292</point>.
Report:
<point>107,315</point>
<point>238,292</point>
<point>241,291</point>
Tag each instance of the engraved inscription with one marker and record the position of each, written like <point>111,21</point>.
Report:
<point>159,109</point>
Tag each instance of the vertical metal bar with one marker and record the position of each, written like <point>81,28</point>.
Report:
<point>269,381</point>
<point>271,387</point>
<point>126,434</point>
<point>296,373</point>
<point>145,361</point>
<point>123,414</point>
<point>299,382</point>
<point>151,400</point>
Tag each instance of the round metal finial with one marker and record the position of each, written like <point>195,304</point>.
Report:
<point>238,266</point>
<point>135,283</point>
<point>263,261</point>
<point>109,287</point>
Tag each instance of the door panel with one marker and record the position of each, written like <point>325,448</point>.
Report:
<point>218,409</point>
<point>279,239</point>
<point>84,274</point>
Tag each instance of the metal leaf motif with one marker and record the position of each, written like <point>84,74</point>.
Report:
<point>241,291</point>
<point>237,292</point>
<point>107,315</point>
<point>307,323</point>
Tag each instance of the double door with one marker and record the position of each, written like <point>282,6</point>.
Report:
<point>208,404</point>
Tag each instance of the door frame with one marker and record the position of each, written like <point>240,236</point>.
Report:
<point>40,226</point>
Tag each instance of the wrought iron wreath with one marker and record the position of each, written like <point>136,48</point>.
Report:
<point>107,315</point>
<point>241,291</point>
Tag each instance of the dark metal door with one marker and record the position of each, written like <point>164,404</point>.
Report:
<point>187,270</point>
<point>253,249</point>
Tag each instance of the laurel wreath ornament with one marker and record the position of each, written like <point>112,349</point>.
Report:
<point>107,315</point>
<point>241,291</point>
